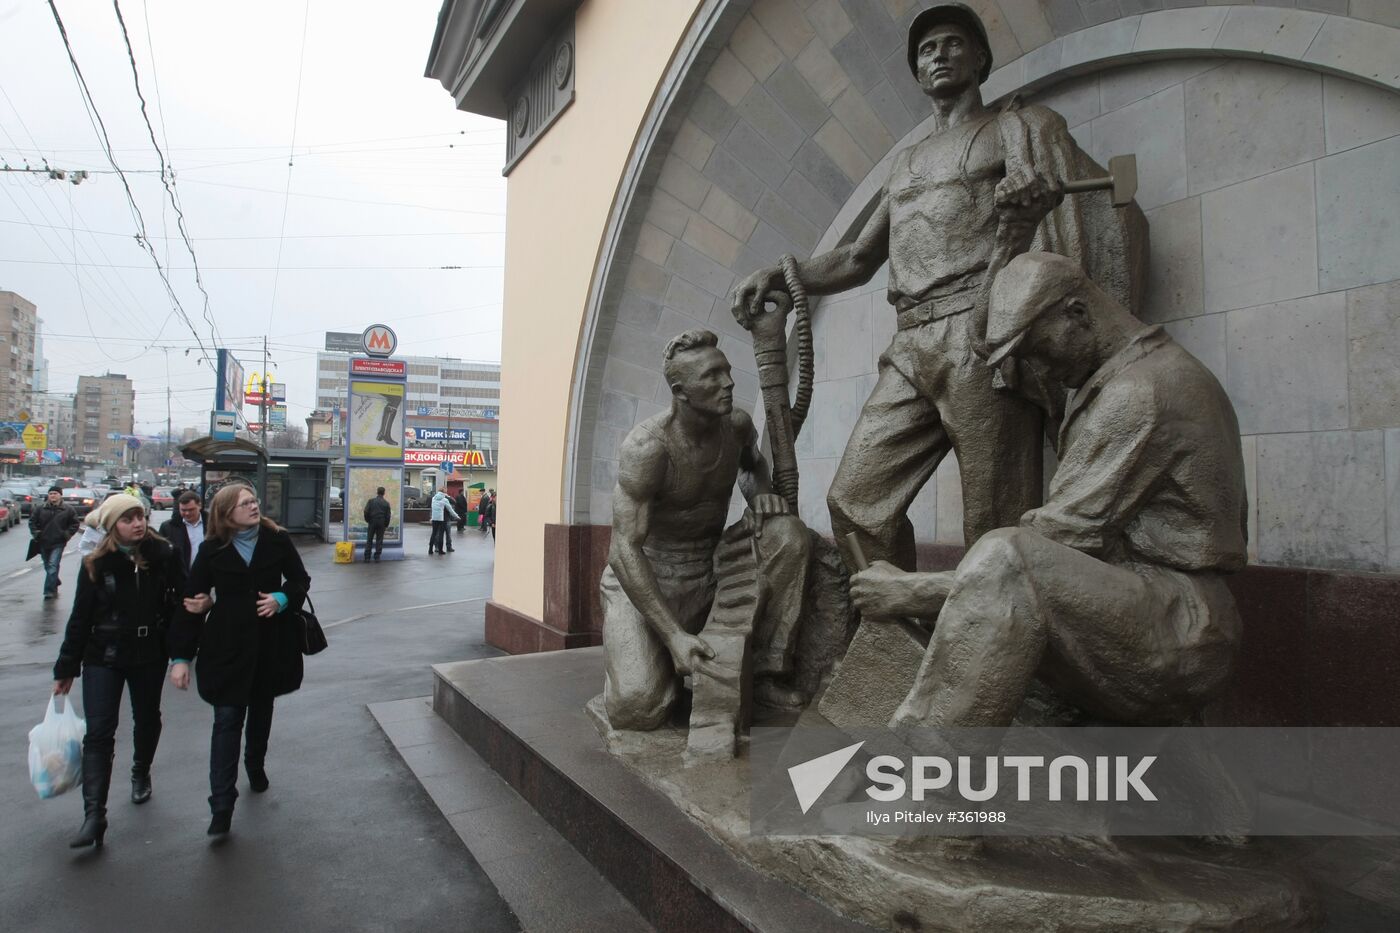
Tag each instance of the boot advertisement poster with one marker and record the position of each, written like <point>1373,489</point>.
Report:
<point>376,420</point>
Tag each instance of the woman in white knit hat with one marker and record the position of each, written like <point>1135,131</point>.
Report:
<point>127,593</point>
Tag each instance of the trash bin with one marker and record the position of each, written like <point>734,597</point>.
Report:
<point>345,552</point>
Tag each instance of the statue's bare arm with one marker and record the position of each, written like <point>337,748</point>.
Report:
<point>641,474</point>
<point>755,482</point>
<point>833,271</point>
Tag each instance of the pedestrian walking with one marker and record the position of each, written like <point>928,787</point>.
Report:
<point>185,531</point>
<point>460,503</point>
<point>378,514</point>
<point>482,504</point>
<point>50,527</point>
<point>247,645</point>
<point>116,637</point>
<point>442,513</point>
<point>491,516</point>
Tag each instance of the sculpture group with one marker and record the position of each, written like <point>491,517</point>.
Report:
<point>1013,308</point>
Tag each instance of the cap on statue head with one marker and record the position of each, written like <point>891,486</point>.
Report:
<point>959,13</point>
<point>1026,288</point>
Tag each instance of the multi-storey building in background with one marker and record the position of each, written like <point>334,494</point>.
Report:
<point>442,392</point>
<point>56,410</point>
<point>19,322</point>
<point>103,406</point>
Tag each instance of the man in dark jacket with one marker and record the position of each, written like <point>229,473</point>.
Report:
<point>50,526</point>
<point>378,513</point>
<point>185,532</point>
<point>461,503</point>
<point>481,506</point>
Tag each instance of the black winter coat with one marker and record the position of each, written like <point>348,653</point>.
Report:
<point>52,525</point>
<point>120,620</point>
<point>238,654</point>
<point>378,512</point>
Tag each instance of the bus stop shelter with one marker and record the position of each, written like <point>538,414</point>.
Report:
<point>291,484</point>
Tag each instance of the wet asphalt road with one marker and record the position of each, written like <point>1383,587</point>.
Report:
<point>345,839</point>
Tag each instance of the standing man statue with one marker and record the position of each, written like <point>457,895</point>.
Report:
<point>1113,592</point>
<point>980,185</point>
<point>676,476</point>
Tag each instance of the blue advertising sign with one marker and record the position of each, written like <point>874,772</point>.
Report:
<point>442,434</point>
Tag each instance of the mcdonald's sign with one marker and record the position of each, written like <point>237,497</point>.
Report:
<point>380,340</point>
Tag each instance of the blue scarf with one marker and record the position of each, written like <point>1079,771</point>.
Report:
<point>245,541</point>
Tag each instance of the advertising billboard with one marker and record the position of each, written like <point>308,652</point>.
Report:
<point>376,420</point>
<point>228,391</point>
<point>364,480</point>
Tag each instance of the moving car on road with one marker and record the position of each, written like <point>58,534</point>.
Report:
<point>162,498</point>
<point>82,500</point>
<point>23,494</point>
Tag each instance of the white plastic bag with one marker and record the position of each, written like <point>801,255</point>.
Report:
<point>56,750</point>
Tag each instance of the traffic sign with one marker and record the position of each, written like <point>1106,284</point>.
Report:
<point>133,444</point>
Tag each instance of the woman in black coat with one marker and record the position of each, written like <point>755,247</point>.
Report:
<point>126,596</point>
<point>248,649</point>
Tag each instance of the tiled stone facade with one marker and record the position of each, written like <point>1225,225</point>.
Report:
<point>1268,144</point>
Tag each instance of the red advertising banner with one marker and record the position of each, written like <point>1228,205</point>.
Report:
<point>363,367</point>
<point>423,457</point>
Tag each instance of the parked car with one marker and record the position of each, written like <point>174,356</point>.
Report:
<point>412,497</point>
<point>23,494</point>
<point>82,500</point>
<point>162,498</point>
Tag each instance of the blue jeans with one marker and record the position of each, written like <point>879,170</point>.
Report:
<point>223,748</point>
<point>52,557</point>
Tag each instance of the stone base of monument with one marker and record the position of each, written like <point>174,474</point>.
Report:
<point>673,837</point>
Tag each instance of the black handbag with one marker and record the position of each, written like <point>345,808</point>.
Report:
<point>313,639</point>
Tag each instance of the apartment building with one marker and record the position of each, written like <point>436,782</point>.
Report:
<point>56,410</point>
<point>103,406</point>
<point>19,321</point>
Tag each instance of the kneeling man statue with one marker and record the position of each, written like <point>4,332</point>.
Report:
<point>1112,593</point>
<point>676,476</point>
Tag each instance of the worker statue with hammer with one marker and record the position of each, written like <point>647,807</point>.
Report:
<point>983,187</point>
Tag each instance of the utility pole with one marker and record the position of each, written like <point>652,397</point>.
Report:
<point>262,406</point>
<point>166,458</point>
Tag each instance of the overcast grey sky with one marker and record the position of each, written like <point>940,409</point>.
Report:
<point>388,183</point>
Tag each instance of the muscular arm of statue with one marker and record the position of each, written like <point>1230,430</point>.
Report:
<point>641,475</point>
<point>755,482</point>
<point>833,271</point>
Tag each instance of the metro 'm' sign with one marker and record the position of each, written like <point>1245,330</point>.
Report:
<point>380,340</point>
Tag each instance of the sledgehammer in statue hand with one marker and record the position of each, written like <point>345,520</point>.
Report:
<point>1121,180</point>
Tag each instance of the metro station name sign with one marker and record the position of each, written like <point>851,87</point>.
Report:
<point>359,366</point>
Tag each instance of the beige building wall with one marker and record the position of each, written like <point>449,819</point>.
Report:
<point>558,201</point>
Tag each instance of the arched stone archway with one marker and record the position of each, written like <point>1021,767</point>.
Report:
<point>772,132</point>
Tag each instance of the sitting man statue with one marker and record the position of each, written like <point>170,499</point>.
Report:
<point>675,479</point>
<point>1113,592</point>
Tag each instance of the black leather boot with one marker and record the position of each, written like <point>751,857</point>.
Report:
<point>140,783</point>
<point>220,823</point>
<point>257,776</point>
<point>97,777</point>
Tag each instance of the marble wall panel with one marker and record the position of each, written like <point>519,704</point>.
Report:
<point>1322,500</point>
<point>1259,240</point>
<point>1286,365</point>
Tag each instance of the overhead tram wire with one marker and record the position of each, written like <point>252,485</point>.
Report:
<point>100,279</point>
<point>100,126</point>
<point>291,161</point>
<point>167,173</point>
